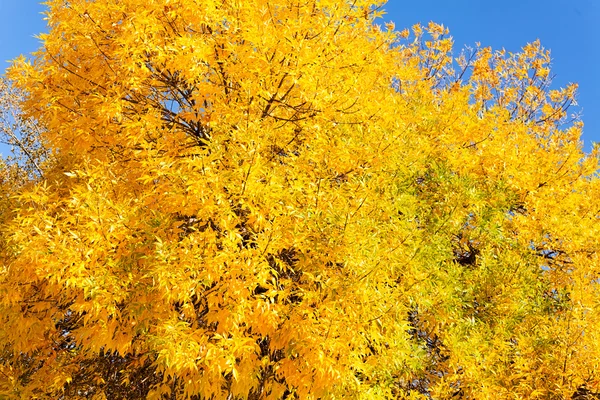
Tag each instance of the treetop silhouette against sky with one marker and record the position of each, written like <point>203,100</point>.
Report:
<point>566,27</point>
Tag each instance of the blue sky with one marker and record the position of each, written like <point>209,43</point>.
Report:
<point>569,28</point>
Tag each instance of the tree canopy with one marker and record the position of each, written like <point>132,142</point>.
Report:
<point>281,199</point>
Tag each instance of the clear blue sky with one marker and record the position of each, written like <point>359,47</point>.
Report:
<point>569,28</point>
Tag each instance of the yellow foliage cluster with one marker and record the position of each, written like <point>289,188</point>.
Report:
<point>268,199</point>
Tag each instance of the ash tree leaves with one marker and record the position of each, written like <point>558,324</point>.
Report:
<point>279,199</point>
<point>23,136</point>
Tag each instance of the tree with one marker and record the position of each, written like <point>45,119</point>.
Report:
<point>22,135</point>
<point>280,199</point>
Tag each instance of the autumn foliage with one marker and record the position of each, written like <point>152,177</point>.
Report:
<point>269,199</point>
